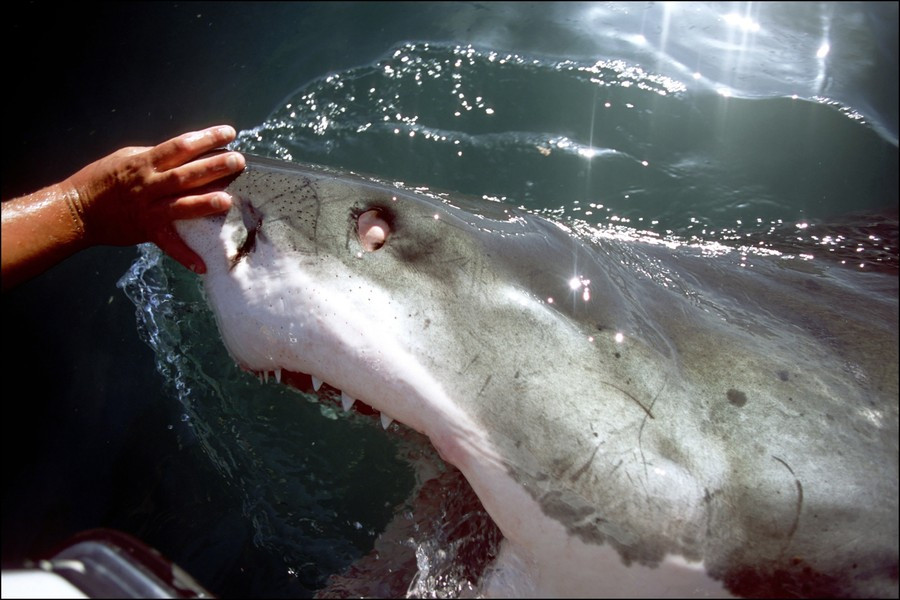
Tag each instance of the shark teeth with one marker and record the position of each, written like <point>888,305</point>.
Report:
<point>346,402</point>
<point>264,375</point>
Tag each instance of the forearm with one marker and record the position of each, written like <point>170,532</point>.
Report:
<point>39,230</point>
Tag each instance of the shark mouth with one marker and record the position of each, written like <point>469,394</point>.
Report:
<point>456,541</point>
<point>443,545</point>
<point>310,384</point>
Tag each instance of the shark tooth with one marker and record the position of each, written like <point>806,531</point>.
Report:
<point>278,375</point>
<point>346,402</point>
<point>317,383</point>
<point>386,420</point>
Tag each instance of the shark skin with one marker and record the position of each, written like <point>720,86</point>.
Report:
<point>639,419</point>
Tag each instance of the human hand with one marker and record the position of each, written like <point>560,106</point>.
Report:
<point>134,194</point>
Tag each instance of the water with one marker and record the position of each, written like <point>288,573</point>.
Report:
<point>602,141</point>
<point>714,123</point>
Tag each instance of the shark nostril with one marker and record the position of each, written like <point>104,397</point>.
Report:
<point>252,220</point>
<point>372,230</point>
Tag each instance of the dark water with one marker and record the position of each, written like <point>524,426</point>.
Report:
<point>715,123</point>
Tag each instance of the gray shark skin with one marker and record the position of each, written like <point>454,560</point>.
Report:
<point>639,419</point>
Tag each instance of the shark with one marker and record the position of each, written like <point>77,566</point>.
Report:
<point>638,417</point>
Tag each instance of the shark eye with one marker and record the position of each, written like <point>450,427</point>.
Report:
<point>372,229</point>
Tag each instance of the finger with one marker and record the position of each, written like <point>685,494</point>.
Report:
<point>171,243</point>
<point>200,172</point>
<point>188,146</point>
<point>132,150</point>
<point>202,205</point>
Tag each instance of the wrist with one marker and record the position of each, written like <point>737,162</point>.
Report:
<point>74,202</point>
<point>39,230</point>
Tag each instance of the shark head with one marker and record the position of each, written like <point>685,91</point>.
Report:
<point>636,419</point>
<point>346,280</point>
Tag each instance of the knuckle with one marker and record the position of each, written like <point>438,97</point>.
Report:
<point>181,144</point>
<point>176,178</point>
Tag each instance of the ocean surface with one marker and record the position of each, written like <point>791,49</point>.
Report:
<point>768,127</point>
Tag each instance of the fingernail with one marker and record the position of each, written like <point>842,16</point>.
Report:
<point>221,201</point>
<point>226,130</point>
<point>232,162</point>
